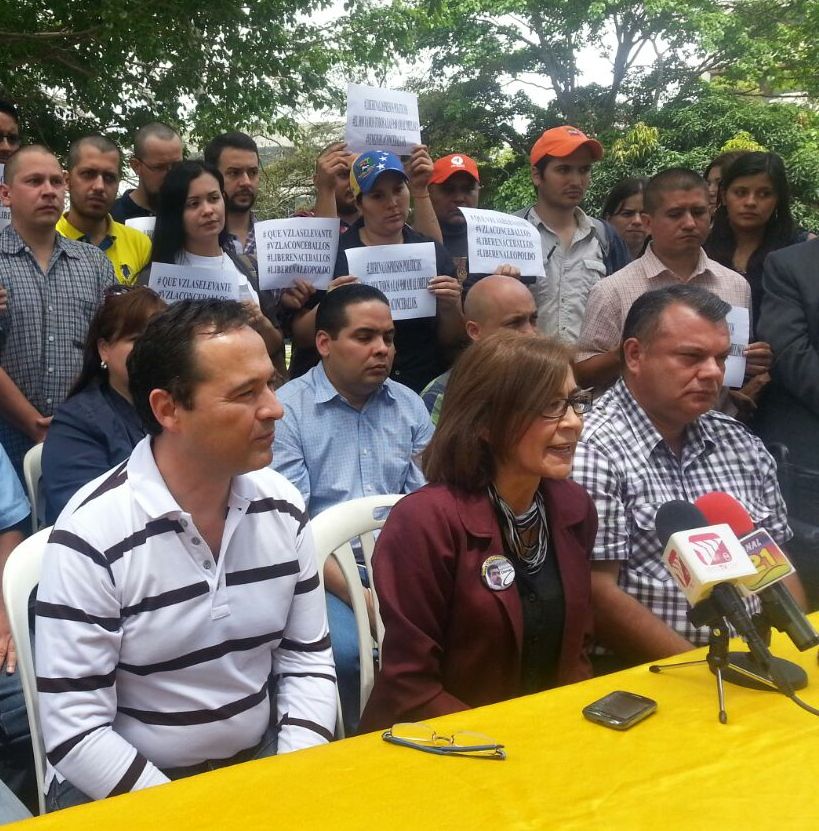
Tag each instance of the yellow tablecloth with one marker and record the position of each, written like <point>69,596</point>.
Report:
<point>680,769</point>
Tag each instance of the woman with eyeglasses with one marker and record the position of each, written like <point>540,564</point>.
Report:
<point>190,230</point>
<point>482,576</point>
<point>753,218</point>
<point>623,209</point>
<point>97,426</point>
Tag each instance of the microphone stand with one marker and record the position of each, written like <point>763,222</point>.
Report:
<point>719,662</point>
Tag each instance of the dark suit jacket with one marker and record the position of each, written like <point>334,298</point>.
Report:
<point>450,642</point>
<point>92,432</point>
<point>789,321</point>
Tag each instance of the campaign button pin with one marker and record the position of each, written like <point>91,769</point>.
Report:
<point>498,573</point>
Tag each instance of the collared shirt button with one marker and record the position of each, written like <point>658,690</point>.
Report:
<point>51,369</point>
<point>51,338</point>
<point>195,540</point>
<point>48,400</point>
<point>208,564</point>
<point>51,308</point>
<point>183,523</point>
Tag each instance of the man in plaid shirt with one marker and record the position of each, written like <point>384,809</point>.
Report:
<point>652,438</point>
<point>54,286</point>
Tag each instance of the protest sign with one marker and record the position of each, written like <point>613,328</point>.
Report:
<point>739,324</point>
<point>302,248</point>
<point>185,282</point>
<point>142,223</point>
<point>402,272</point>
<point>495,238</point>
<point>381,119</point>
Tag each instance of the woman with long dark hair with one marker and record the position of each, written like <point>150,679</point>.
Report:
<point>97,426</point>
<point>483,576</point>
<point>753,218</point>
<point>623,209</point>
<point>190,230</point>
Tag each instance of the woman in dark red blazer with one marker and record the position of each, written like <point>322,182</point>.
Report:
<point>482,576</point>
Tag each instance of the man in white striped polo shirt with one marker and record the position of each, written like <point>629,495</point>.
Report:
<point>181,586</point>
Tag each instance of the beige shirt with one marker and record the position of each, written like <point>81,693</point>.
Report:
<point>561,295</point>
<point>610,299</point>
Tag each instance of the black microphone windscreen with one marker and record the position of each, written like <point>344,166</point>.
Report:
<point>677,515</point>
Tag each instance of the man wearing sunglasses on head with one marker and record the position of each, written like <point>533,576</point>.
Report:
<point>157,147</point>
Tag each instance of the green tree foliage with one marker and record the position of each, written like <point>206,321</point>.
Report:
<point>80,65</point>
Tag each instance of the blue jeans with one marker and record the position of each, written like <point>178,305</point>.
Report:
<point>64,795</point>
<point>16,759</point>
<point>344,638</point>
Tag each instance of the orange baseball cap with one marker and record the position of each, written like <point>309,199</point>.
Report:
<point>563,141</point>
<point>453,163</point>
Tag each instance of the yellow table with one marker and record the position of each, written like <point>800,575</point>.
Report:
<point>680,769</point>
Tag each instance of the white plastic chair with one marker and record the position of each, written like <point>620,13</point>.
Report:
<point>20,577</point>
<point>32,471</point>
<point>333,530</point>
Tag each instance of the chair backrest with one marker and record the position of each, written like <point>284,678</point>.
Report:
<point>333,531</point>
<point>20,577</point>
<point>32,471</point>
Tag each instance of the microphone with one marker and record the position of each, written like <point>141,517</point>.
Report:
<point>772,565</point>
<point>705,562</point>
<point>697,555</point>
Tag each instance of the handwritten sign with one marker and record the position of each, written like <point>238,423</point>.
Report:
<point>739,324</point>
<point>5,213</point>
<point>494,239</point>
<point>142,223</point>
<point>303,248</point>
<point>381,119</point>
<point>402,272</point>
<point>184,282</point>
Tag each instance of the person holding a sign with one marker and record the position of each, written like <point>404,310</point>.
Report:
<point>483,576</point>
<point>655,437</point>
<point>677,216</point>
<point>423,344</point>
<point>412,181</point>
<point>190,230</point>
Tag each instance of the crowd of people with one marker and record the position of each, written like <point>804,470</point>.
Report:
<point>536,424</point>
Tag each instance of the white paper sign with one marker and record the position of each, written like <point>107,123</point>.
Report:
<point>495,239</point>
<point>402,272</point>
<point>381,119</point>
<point>5,213</point>
<point>302,248</point>
<point>185,282</point>
<point>142,223</point>
<point>739,323</point>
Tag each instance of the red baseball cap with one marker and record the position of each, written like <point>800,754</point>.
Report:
<point>563,141</point>
<point>453,163</point>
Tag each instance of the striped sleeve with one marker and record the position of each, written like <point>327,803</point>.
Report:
<point>303,662</point>
<point>78,641</point>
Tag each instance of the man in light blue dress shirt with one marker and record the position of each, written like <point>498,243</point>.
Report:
<point>349,431</point>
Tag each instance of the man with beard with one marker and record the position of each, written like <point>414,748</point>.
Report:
<point>237,158</point>
<point>93,177</point>
<point>157,147</point>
